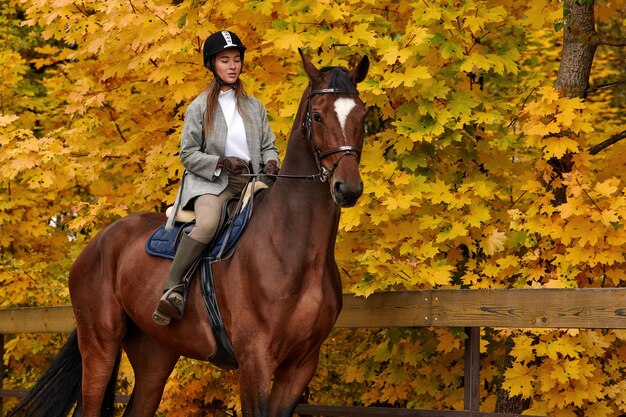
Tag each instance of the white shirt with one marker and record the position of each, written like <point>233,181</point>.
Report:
<point>236,143</point>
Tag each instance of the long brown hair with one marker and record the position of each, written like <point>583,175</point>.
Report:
<point>212,102</point>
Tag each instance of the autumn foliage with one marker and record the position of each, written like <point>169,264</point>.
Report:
<point>464,126</point>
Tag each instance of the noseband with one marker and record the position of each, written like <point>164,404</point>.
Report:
<point>324,173</point>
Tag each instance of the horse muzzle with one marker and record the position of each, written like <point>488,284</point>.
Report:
<point>344,194</point>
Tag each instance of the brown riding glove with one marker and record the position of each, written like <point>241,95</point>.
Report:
<point>232,164</point>
<point>271,168</point>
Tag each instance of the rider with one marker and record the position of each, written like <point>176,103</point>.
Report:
<point>225,133</point>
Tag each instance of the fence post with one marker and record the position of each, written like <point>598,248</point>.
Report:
<point>1,370</point>
<point>471,381</point>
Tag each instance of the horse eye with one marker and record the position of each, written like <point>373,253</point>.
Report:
<point>317,117</point>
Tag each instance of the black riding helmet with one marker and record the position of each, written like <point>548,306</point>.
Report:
<point>220,41</point>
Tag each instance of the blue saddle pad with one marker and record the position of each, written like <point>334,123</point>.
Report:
<point>164,244</point>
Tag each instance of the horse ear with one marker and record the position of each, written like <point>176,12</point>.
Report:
<point>313,73</point>
<point>358,73</point>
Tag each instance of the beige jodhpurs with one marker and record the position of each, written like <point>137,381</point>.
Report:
<point>208,209</point>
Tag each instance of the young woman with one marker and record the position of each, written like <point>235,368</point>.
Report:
<point>225,133</point>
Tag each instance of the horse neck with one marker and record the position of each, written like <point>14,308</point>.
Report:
<point>298,159</point>
<point>309,202</point>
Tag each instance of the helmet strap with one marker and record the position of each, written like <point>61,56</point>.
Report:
<point>217,77</point>
<point>221,82</point>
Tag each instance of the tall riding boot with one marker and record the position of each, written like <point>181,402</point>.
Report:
<point>172,304</point>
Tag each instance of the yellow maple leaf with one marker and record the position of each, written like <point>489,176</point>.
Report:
<point>475,62</point>
<point>413,74</point>
<point>361,33</point>
<point>350,219</point>
<point>403,143</point>
<point>440,192</point>
<point>608,217</point>
<point>591,235</point>
<point>548,94</point>
<point>572,207</point>
<point>393,53</point>
<point>336,11</point>
<point>96,45</point>
<point>228,8</point>
<point>427,250</point>
<point>446,341</point>
<point>7,119</point>
<point>557,147</point>
<point>478,215</point>
<point>265,7</point>
<point>394,79</point>
<point>353,374</point>
<point>47,50</point>
<point>541,129</point>
<point>455,230</point>
<point>42,179</point>
<point>398,201</point>
<point>523,350</point>
<point>439,274</point>
<point>599,409</point>
<point>572,368</point>
<point>493,240</point>
<point>285,39</point>
<point>535,12</point>
<point>559,374</point>
<point>607,188</point>
<point>576,397</point>
<point>485,189</point>
<point>518,380</point>
<point>382,352</point>
<point>560,348</point>
<point>509,261</point>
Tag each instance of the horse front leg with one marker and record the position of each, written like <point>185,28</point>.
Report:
<point>290,381</point>
<point>255,376</point>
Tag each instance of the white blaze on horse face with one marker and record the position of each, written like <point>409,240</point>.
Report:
<point>343,107</point>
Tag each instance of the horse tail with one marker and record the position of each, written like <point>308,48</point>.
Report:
<point>59,389</point>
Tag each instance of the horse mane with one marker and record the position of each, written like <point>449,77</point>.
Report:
<point>338,78</point>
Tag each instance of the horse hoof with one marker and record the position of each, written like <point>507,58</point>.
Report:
<point>161,319</point>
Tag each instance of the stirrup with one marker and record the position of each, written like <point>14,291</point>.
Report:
<point>171,305</point>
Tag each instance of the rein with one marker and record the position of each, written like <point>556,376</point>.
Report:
<point>323,173</point>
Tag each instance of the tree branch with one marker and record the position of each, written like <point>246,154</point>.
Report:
<point>114,120</point>
<point>85,12</point>
<point>610,141</point>
<point>132,6</point>
<point>145,4</point>
<point>609,40</point>
<point>604,86</point>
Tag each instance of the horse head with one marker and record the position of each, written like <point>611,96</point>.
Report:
<point>333,126</point>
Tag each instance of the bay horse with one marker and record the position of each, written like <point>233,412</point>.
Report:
<point>279,293</point>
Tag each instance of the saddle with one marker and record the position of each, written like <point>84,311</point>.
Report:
<point>235,215</point>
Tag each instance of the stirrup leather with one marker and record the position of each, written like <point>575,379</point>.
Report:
<point>171,305</point>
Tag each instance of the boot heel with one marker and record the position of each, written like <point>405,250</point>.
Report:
<point>160,318</point>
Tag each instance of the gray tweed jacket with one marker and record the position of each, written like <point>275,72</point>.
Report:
<point>201,162</point>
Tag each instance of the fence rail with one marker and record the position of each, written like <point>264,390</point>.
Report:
<point>588,308</point>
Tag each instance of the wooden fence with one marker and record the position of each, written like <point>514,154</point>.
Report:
<point>594,308</point>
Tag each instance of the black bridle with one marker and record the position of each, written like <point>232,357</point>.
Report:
<point>307,126</point>
<point>324,173</point>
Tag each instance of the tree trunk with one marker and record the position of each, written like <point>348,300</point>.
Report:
<point>505,403</point>
<point>579,48</point>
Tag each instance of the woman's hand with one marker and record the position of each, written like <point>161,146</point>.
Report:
<point>232,164</point>
<point>271,168</point>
